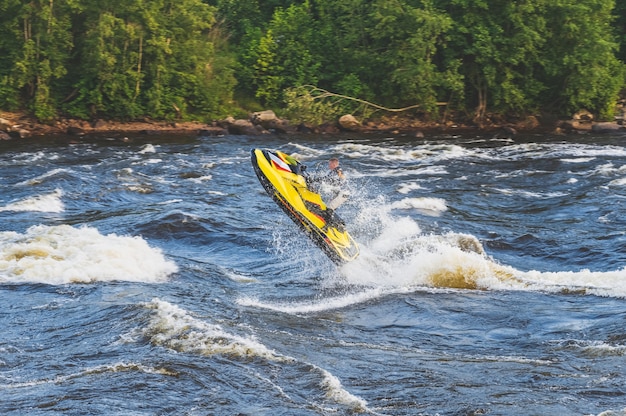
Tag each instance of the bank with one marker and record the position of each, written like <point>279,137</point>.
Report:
<point>15,126</point>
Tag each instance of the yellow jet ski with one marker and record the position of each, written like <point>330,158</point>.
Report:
<point>284,179</point>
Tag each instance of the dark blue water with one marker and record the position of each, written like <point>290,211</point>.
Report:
<point>157,277</point>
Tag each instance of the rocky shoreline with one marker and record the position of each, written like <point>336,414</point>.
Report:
<point>15,126</point>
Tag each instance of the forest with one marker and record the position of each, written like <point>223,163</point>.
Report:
<point>311,60</point>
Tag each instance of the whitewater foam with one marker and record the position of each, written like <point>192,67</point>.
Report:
<point>173,327</point>
<point>428,206</point>
<point>42,178</point>
<point>402,256</point>
<point>618,182</point>
<point>318,305</point>
<point>585,281</point>
<point>405,188</point>
<point>39,203</point>
<point>107,368</point>
<point>596,349</point>
<point>147,148</point>
<point>63,254</point>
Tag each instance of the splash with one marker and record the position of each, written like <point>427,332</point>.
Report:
<point>64,254</point>
<point>401,256</point>
<point>402,259</point>
<point>438,261</point>
<point>395,253</point>
<point>42,203</point>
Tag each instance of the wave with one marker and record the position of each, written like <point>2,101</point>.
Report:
<point>53,174</point>
<point>107,368</point>
<point>407,187</point>
<point>148,148</point>
<point>618,182</point>
<point>594,349</point>
<point>173,327</point>
<point>314,306</point>
<point>428,206</point>
<point>529,194</point>
<point>400,255</point>
<point>40,203</point>
<point>63,254</point>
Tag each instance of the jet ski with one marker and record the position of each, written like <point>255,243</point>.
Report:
<point>285,180</point>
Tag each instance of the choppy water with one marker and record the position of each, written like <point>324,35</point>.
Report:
<point>157,277</point>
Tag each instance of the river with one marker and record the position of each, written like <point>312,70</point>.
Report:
<point>155,276</point>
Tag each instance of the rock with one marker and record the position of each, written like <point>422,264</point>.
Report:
<point>261,117</point>
<point>98,124</point>
<point>75,131</point>
<point>244,127</point>
<point>212,132</point>
<point>569,125</point>
<point>268,120</point>
<point>620,118</point>
<point>583,116</point>
<point>328,128</point>
<point>5,124</point>
<point>606,127</point>
<point>505,132</point>
<point>19,133</point>
<point>529,123</point>
<point>304,128</point>
<point>280,126</point>
<point>349,122</point>
<point>225,122</point>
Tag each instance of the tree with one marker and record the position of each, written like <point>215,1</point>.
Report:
<point>349,63</point>
<point>109,63</point>
<point>282,57</point>
<point>157,59</point>
<point>410,39</point>
<point>37,41</point>
<point>580,61</point>
<point>620,25</point>
<point>499,45</point>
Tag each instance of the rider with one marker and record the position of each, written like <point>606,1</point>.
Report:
<point>335,180</point>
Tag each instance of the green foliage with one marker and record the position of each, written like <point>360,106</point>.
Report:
<point>122,59</point>
<point>303,105</point>
<point>188,58</point>
<point>620,26</point>
<point>283,58</point>
<point>582,64</point>
<point>413,36</point>
<point>500,44</point>
<point>36,42</point>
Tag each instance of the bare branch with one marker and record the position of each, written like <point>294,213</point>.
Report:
<point>322,93</point>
